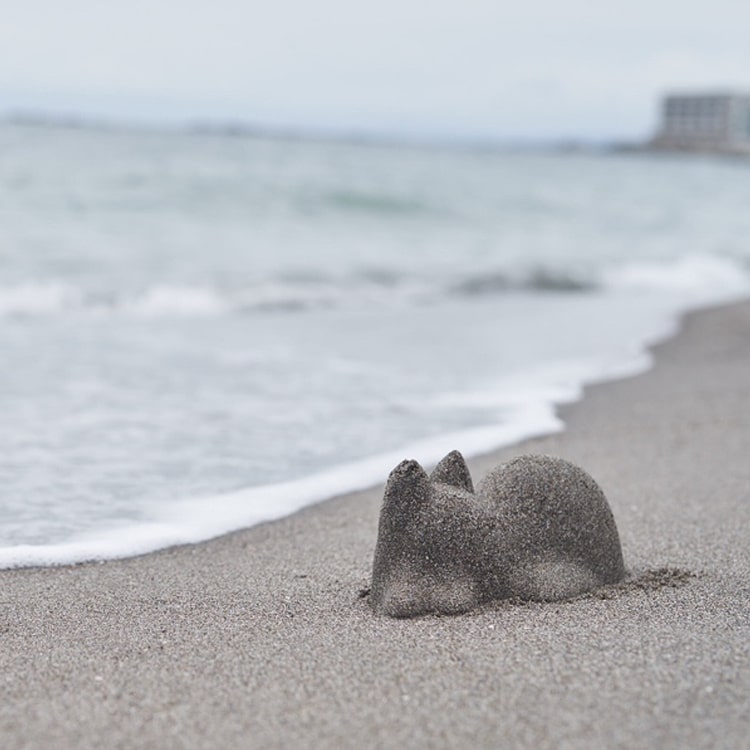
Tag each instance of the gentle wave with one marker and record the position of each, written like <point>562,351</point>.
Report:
<point>528,404</point>
<point>695,275</point>
<point>203,518</point>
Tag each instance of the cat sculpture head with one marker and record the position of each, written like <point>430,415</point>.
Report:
<point>425,531</point>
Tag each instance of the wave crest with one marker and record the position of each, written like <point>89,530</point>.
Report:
<point>700,278</point>
<point>38,299</point>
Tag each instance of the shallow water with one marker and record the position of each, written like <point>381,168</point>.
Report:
<point>200,332</point>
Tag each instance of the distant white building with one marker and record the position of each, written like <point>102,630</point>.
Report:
<point>705,122</point>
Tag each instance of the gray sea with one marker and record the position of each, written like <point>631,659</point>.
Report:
<point>202,331</point>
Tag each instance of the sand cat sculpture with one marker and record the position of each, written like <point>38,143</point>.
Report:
<point>537,528</point>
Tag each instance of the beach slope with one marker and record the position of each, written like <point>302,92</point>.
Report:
<point>263,639</point>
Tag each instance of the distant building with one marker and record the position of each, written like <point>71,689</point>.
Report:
<point>705,122</point>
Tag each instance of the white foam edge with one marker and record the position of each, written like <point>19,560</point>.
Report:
<point>202,518</point>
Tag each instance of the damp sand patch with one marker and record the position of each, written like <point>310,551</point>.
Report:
<point>648,580</point>
<point>644,581</point>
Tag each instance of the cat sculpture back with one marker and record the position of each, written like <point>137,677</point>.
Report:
<point>536,528</point>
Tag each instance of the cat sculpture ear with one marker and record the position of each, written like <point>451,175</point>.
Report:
<point>406,493</point>
<point>453,470</point>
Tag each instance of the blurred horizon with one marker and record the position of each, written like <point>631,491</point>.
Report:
<point>233,127</point>
<point>470,71</point>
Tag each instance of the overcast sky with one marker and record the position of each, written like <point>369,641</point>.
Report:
<point>457,68</point>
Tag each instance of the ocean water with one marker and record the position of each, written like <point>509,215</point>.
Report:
<point>200,332</point>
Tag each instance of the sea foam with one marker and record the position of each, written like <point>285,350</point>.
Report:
<point>201,518</point>
<point>528,405</point>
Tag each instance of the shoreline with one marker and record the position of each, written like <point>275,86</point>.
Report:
<point>259,638</point>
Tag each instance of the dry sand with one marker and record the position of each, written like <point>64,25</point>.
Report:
<point>259,639</point>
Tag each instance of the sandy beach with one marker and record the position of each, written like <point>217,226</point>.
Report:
<point>261,639</point>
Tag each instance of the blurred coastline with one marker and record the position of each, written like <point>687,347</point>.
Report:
<point>661,142</point>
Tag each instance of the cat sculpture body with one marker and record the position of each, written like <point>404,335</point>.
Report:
<point>536,528</point>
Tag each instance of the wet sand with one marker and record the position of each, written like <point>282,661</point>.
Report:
<point>261,638</point>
